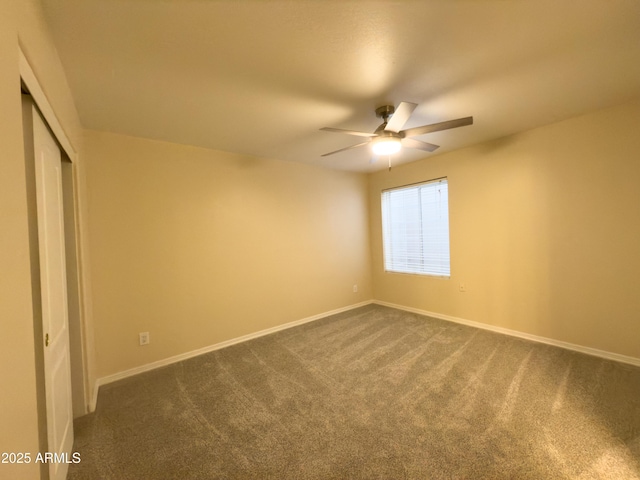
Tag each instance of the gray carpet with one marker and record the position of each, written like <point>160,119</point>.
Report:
<point>370,393</point>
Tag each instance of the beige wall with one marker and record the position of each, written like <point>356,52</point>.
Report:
<point>544,231</point>
<point>198,246</point>
<point>21,24</point>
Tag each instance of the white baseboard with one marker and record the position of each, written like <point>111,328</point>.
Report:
<point>514,333</point>
<point>194,353</point>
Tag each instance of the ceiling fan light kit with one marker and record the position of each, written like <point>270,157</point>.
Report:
<point>386,145</point>
<point>389,137</point>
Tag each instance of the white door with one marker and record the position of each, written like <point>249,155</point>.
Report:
<point>54,296</point>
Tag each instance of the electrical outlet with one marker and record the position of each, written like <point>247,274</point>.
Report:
<point>144,338</point>
<point>355,288</point>
<point>463,288</point>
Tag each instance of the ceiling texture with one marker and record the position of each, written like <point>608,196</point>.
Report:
<point>261,77</point>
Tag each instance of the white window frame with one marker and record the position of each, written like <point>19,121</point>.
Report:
<point>415,229</point>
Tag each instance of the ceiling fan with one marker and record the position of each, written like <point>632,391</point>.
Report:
<point>389,138</point>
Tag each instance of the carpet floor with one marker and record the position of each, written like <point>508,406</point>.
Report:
<point>371,393</point>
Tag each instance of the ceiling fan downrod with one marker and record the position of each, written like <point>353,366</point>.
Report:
<point>384,112</point>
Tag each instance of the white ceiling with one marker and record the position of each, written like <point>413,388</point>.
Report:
<point>260,77</point>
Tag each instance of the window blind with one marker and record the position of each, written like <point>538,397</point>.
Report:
<point>415,225</point>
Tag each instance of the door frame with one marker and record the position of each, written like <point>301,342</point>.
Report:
<point>82,363</point>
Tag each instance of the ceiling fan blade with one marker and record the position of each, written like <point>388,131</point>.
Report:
<point>346,148</point>
<point>413,143</point>
<point>436,127</point>
<point>400,116</point>
<point>348,132</point>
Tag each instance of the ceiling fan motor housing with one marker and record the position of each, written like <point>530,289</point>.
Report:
<point>382,133</point>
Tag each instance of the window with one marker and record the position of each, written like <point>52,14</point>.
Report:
<point>415,229</point>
